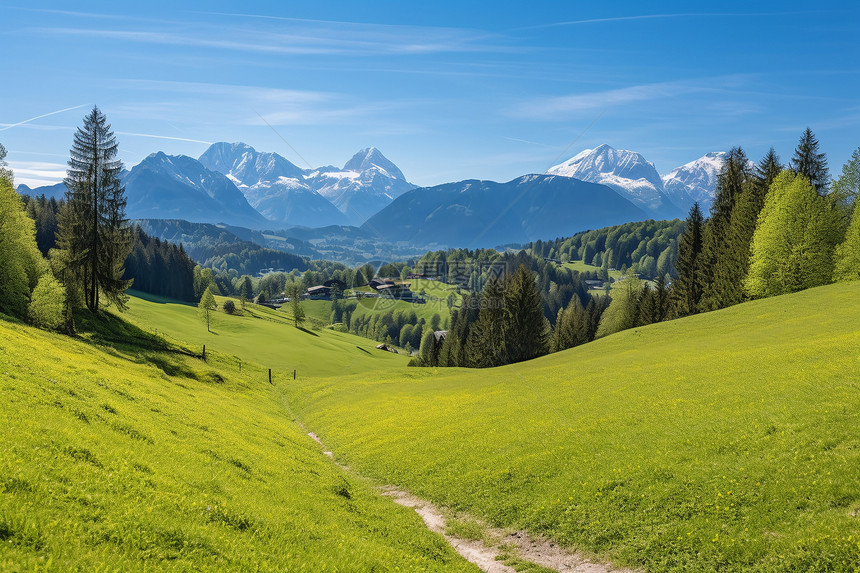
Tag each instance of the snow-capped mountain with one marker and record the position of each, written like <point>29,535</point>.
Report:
<point>272,185</point>
<point>366,184</point>
<point>627,172</point>
<point>290,195</point>
<point>635,178</point>
<point>179,187</point>
<point>695,181</point>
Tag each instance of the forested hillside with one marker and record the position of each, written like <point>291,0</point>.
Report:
<point>648,248</point>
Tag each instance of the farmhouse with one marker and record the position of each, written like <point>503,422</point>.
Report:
<point>319,292</point>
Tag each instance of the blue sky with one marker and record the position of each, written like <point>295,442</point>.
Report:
<point>446,90</point>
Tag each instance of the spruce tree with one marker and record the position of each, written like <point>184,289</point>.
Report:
<point>810,163</point>
<point>486,343</point>
<point>743,224</point>
<point>453,351</point>
<point>686,290</point>
<point>527,328</point>
<point>429,352</point>
<point>721,269</point>
<point>93,229</point>
<point>571,326</point>
<point>766,171</point>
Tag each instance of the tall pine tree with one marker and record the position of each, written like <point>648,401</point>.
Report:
<point>810,163</point>
<point>743,223</point>
<point>686,290</point>
<point>93,229</point>
<point>722,271</point>
<point>487,338</point>
<point>527,331</point>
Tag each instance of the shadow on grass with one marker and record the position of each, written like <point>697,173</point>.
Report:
<point>108,329</point>
<point>157,299</point>
<point>133,343</point>
<point>305,330</point>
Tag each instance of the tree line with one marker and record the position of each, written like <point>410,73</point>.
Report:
<point>772,229</point>
<point>155,266</point>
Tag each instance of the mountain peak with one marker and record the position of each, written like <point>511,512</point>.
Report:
<point>627,172</point>
<point>370,157</point>
<point>695,181</point>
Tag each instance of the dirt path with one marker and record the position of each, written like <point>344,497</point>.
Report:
<point>484,554</point>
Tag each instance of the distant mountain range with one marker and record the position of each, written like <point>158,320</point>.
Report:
<point>234,184</point>
<point>636,178</point>
<point>487,214</point>
<point>289,195</point>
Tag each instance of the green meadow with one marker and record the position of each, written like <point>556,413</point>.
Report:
<point>263,336</point>
<point>725,441</point>
<point>121,452</point>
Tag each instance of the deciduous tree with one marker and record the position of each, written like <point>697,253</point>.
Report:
<point>21,264</point>
<point>793,245</point>
<point>206,305</point>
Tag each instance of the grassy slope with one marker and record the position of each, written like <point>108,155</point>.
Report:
<point>264,336</point>
<point>726,441</point>
<point>321,309</point>
<point>119,458</point>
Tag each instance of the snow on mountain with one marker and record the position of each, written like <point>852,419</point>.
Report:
<point>627,172</point>
<point>694,181</point>
<point>635,178</point>
<point>272,184</point>
<point>371,157</point>
<point>368,183</point>
<point>310,197</point>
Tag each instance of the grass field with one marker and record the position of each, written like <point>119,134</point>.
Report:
<point>582,267</point>
<point>264,336</point>
<point>123,456</point>
<point>721,442</point>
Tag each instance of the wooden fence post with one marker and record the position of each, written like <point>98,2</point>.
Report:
<point>270,375</point>
<point>204,352</point>
<point>294,374</point>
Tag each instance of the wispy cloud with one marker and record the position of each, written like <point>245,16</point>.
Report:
<point>37,173</point>
<point>577,104</point>
<point>153,136</point>
<point>285,36</point>
<point>26,121</point>
<point>528,142</point>
<point>664,17</point>
<point>209,103</point>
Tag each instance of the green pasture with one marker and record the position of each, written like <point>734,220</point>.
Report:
<point>726,441</point>
<point>121,453</point>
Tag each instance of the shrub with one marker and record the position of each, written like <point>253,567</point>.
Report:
<point>48,303</point>
<point>229,307</point>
